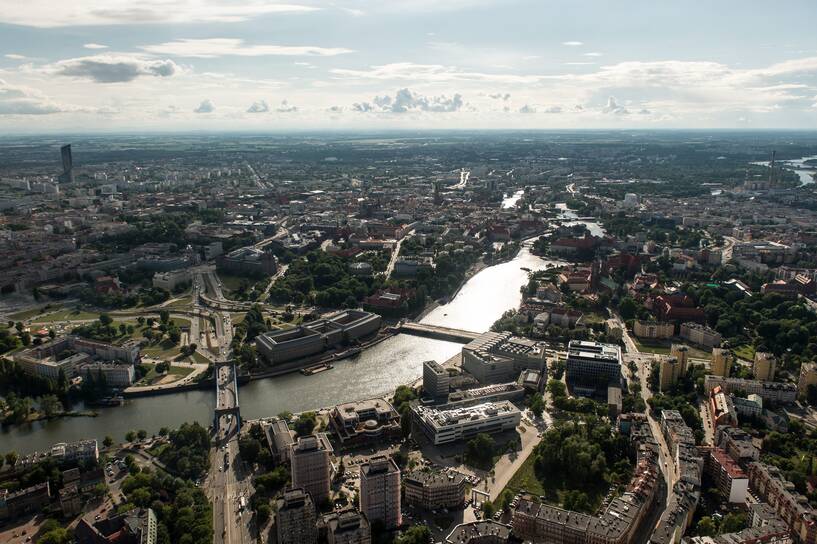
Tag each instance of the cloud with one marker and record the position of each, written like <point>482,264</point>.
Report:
<point>94,46</point>
<point>592,54</point>
<point>527,108</point>
<point>15,56</point>
<point>42,13</point>
<point>286,107</point>
<point>258,107</point>
<point>16,100</point>
<point>406,101</point>
<point>500,96</point>
<point>553,109</point>
<point>335,109</point>
<point>408,71</point>
<point>572,44</point>
<point>220,47</point>
<point>206,106</point>
<point>112,68</point>
<point>613,107</point>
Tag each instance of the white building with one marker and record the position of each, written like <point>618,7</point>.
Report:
<point>170,279</point>
<point>445,426</point>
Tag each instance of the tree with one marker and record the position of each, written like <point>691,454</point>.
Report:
<point>732,523</point>
<point>416,534</point>
<point>11,458</point>
<point>706,527</point>
<point>305,423</point>
<point>263,512</point>
<point>56,536</point>
<point>488,509</point>
<point>628,308</point>
<point>537,404</point>
<point>130,436</point>
<point>479,451</point>
<point>107,441</point>
<point>249,449</point>
<point>141,434</point>
<point>164,316</point>
<point>105,319</point>
<point>51,405</point>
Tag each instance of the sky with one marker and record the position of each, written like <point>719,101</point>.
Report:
<point>260,65</point>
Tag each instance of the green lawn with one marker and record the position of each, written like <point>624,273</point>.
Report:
<point>152,376</point>
<point>66,314</point>
<point>199,358</point>
<point>25,314</point>
<point>745,351</point>
<point>525,478</point>
<point>652,346</point>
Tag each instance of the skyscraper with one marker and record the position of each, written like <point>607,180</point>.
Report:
<point>311,466</point>
<point>380,491</point>
<point>67,175</point>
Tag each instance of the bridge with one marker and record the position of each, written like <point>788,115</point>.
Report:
<point>226,395</point>
<point>438,332</point>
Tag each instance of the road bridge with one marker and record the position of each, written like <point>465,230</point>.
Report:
<point>438,332</point>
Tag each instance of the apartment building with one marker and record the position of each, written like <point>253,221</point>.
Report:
<point>295,518</point>
<point>380,491</point>
<point>700,335</point>
<point>432,490</point>
<point>311,466</point>
<point>773,392</point>
<point>729,478</point>
<point>653,329</point>
<point>347,527</point>
<point>721,362</point>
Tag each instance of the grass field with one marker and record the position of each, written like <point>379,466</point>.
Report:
<point>151,377</point>
<point>745,351</point>
<point>525,478</point>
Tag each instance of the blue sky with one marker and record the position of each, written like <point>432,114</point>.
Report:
<point>104,65</point>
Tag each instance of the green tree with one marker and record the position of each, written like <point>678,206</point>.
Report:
<point>105,319</point>
<point>107,441</point>
<point>479,451</point>
<point>305,423</point>
<point>130,436</point>
<point>537,404</point>
<point>416,534</point>
<point>141,434</point>
<point>706,527</point>
<point>11,458</point>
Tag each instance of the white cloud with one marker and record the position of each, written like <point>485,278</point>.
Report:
<point>406,101</point>
<point>16,100</point>
<point>258,107</point>
<point>44,14</point>
<point>15,56</point>
<point>286,107</point>
<point>206,106</point>
<point>430,73</point>
<point>527,108</point>
<point>573,44</point>
<point>112,68</point>
<point>592,54</point>
<point>500,96</point>
<point>553,109</point>
<point>219,47</point>
<point>94,46</point>
<point>614,107</point>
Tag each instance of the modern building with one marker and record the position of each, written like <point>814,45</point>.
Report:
<point>317,336</point>
<point>721,362</point>
<point>82,450</point>
<point>311,466</point>
<point>171,279</point>
<point>771,392</point>
<point>764,366</point>
<point>436,382</point>
<point>365,421</point>
<point>112,374</point>
<point>727,475</point>
<point>700,335</point>
<point>495,357</point>
<point>380,491</point>
<point>592,367</point>
<point>67,175</point>
<point>808,376</point>
<point>248,261</point>
<point>347,527</point>
<point>279,438</point>
<point>432,490</point>
<point>296,518</point>
<point>653,329</point>
<point>443,426</point>
<point>511,391</point>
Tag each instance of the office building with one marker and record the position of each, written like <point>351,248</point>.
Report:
<point>171,279</point>
<point>721,362</point>
<point>248,261</point>
<point>347,527</point>
<point>496,357</point>
<point>764,366</point>
<point>433,490</point>
<point>311,466</point>
<point>295,518</point>
<point>67,175</point>
<point>317,336</point>
<point>436,381</point>
<point>111,374</point>
<point>380,491</point>
<point>279,438</point>
<point>442,426</point>
<point>592,367</point>
<point>808,376</point>
<point>365,422</point>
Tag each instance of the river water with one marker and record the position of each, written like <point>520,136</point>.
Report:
<point>375,372</point>
<point>805,172</point>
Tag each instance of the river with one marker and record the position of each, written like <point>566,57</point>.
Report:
<point>805,172</point>
<point>375,372</point>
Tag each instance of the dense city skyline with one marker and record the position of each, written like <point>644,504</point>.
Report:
<point>216,65</point>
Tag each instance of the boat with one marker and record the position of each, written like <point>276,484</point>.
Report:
<point>347,353</point>
<point>115,400</point>
<point>525,268</point>
<point>316,369</point>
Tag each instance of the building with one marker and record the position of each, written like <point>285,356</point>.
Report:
<point>380,491</point>
<point>592,367</point>
<point>433,490</point>
<point>111,374</point>
<point>700,335</point>
<point>721,409</point>
<point>765,527</point>
<point>280,441</point>
<point>680,352</point>
<point>70,500</point>
<point>727,476</point>
<point>511,391</point>
<point>365,421</point>
<point>24,501</point>
<point>532,380</point>
<point>721,362</point>
<point>764,366</point>
<point>738,444</point>
<point>137,526</point>
<point>771,486</point>
<point>669,371</point>
<point>347,527</point>
<point>248,261</point>
<point>770,392</point>
<point>171,279</point>
<point>410,266</point>
<point>47,360</point>
<point>67,175</point>
<point>311,466</point>
<point>481,532</point>
<point>436,381</point>
<point>443,426</point>
<point>495,357</point>
<point>82,450</point>
<point>653,329</point>
<point>808,376</point>
<point>317,336</point>
<point>295,518</point>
